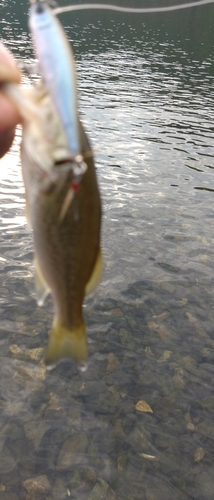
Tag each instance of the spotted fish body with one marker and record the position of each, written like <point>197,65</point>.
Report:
<point>67,252</point>
<point>66,236</point>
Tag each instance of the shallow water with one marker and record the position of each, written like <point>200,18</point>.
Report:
<point>146,99</point>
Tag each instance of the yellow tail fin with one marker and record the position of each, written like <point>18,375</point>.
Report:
<point>64,343</point>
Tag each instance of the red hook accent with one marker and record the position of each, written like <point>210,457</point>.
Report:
<point>75,186</point>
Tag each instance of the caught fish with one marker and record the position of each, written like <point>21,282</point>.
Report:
<point>64,210</point>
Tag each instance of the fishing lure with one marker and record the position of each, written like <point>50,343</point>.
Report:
<point>57,67</point>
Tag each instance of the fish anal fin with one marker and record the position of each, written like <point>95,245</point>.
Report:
<point>42,289</point>
<point>65,343</point>
<point>95,275</point>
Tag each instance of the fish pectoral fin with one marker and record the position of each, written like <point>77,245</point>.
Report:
<point>95,275</point>
<point>42,289</point>
<point>64,343</point>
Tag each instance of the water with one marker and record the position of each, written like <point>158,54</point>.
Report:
<point>146,100</point>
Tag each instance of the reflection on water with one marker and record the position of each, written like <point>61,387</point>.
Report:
<point>139,423</point>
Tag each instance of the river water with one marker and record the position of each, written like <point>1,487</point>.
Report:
<point>139,423</point>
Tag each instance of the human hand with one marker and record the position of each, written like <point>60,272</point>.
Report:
<point>9,116</point>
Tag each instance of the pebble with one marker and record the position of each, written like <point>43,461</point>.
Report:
<point>34,431</point>
<point>168,287</point>
<point>102,491</point>
<point>163,332</point>
<point>113,363</point>
<point>118,430</point>
<point>199,454</point>
<point>59,491</point>
<point>191,318</point>
<point>204,484</point>
<point>124,336</point>
<point>190,426</point>
<point>8,495</point>
<point>72,451</point>
<point>37,486</point>
<point>121,463</point>
<point>7,461</point>
<point>143,406</point>
<point>116,312</point>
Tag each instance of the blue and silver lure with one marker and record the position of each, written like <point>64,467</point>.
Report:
<point>57,67</point>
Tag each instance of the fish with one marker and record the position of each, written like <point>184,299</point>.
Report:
<point>63,208</point>
<point>68,261</point>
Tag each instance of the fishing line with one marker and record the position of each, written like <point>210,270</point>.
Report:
<point>131,10</point>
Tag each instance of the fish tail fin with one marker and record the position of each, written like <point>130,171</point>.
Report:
<point>65,343</point>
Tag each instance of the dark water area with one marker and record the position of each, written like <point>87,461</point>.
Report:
<point>139,423</point>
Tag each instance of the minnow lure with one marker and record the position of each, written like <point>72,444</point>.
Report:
<point>57,68</point>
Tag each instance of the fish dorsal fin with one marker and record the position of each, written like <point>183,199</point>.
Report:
<point>42,289</point>
<point>95,275</point>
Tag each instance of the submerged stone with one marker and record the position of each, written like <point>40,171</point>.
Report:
<point>34,431</point>
<point>204,484</point>
<point>113,363</point>
<point>59,491</point>
<point>37,485</point>
<point>7,495</point>
<point>102,491</point>
<point>72,452</point>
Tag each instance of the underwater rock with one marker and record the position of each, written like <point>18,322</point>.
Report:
<point>13,432</point>
<point>124,336</point>
<point>118,431</point>
<point>131,321</point>
<point>199,454</point>
<point>7,462</point>
<point>82,480</point>
<point>122,463</point>
<point>102,491</point>
<point>190,426</point>
<point>7,495</point>
<point>139,439</point>
<point>72,451</point>
<point>37,486</point>
<point>74,418</point>
<point>143,406</point>
<point>126,407</point>
<point>26,355</point>
<point>59,491</point>
<point>113,363</point>
<point>34,431</point>
<point>116,312</point>
<point>150,495</point>
<point>204,484</point>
